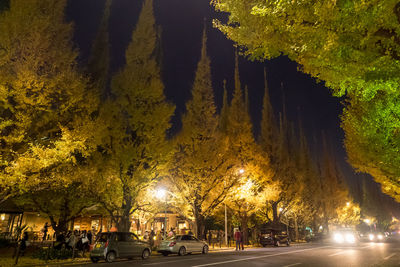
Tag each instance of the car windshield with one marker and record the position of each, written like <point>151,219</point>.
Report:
<point>103,237</point>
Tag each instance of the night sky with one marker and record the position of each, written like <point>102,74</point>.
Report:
<point>182,23</point>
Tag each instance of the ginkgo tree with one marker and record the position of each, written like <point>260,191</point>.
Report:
<point>134,150</point>
<point>46,123</point>
<point>353,46</point>
<point>201,171</point>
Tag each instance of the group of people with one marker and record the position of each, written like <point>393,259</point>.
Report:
<point>76,239</point>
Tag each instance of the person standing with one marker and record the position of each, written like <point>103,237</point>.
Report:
<point>158,238</point>
<point>238,237</point>
<point>23,243</point>
<point>151,237</point>
<point>90,237</point>
<point>45,230</point>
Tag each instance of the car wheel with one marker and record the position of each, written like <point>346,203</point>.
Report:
<point>145,254</point>
<point>182,251</point>
<point>205,250</point>
<point>94,260</point>
<point>165,253</point>
<point>110,256</point>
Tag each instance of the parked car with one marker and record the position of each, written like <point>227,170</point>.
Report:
<point>274,238</point>
<point>181,245</point>
<point>112,245</point>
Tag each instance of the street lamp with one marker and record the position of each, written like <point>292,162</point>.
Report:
<point>162,194</point>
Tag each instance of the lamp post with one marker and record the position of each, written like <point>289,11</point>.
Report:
<point>161,194</point>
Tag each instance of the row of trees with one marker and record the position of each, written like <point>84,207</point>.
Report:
<point>72,141</point>
<point>354,47</point>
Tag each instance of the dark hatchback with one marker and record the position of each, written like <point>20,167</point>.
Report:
<point>276,238</point>
<point>112,245</point>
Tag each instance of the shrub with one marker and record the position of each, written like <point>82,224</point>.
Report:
<point>52,254</point>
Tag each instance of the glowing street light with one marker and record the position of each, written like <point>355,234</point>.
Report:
<point>348,204</point>
<point>241,171</point>
<point>161,193</point>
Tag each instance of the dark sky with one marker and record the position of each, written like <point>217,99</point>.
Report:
<point>182,23</point>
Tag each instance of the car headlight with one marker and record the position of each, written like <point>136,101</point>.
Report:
<point>338,238</point>
<point>371,237</point>
<point>380,237</point>
<point>350,238</point>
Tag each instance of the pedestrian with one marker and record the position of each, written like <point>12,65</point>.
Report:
<point>238,237</point>
<point>72,240</point>
<point>209,237</point>
<point>60,241</point>
<point>84,242</point>
<point>23,243</point>
<point>158,238</point>
<point>151,237</point>
<point>90,237</point>
<point>171,232</point>
<point>45,229</point>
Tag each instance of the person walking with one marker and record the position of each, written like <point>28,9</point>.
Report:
<point>238,237</point>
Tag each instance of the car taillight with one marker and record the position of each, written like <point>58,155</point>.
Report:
<point>106,244</point>
<point>172,244</point>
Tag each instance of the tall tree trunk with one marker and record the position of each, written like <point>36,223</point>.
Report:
<point>199,221</point>
<point>296,228</point>
<point>245,228</point>
<point>61,225</point>
<point>276,221</point>
<point>124,222</point>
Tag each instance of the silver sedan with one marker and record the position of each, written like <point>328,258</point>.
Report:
<point>181,245</point>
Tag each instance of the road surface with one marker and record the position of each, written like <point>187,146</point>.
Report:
<point>325,255</point>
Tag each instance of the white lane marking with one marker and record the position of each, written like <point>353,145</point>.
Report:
<point>294,264</point>
<point>388,257</point>
<point>338,253</point>
<point>165,262</point>
<point>258,257</point>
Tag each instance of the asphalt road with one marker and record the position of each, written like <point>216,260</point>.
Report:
<point>366,254</point>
